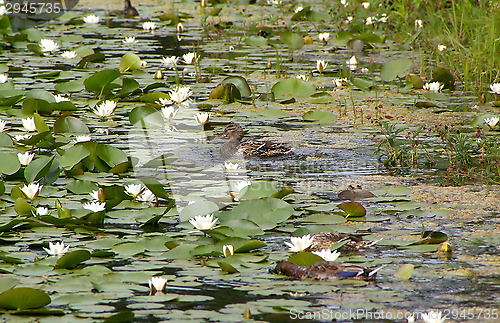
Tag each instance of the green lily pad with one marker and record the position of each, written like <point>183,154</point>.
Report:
<point>404,272</point>
<point>130,61</point>
<point>352,209</point>
<point>305,258</point>
<point>292,88</point>
<point>258,41</point>
<point>72,259</point>
<point>398,68</point>
<point>23,298</point>
<point>320,116</point>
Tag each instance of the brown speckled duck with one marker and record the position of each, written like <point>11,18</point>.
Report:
<point>250,148</point>
<point>326,271</point>
<point>354,243</point>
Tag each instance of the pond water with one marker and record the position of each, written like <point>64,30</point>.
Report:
<point>113,253</point>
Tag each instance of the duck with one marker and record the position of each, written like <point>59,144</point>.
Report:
<point>353,243</point>
<point>128,10</point>
<point>326,271</point>
<point>250,148</point>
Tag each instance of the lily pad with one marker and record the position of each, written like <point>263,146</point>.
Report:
<point>23,298</point>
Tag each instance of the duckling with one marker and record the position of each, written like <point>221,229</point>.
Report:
<point>250,148</point>
<point>325,271</point>
<point>354,243</point>
<point>128,10</point>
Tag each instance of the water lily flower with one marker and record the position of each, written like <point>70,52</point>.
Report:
<point>418,24</point>
<point>352,63</point>
<point>338,82</point>
<point>82,138</point>
<point>190,58</point>
<point>180,95</point>
<point>98,195</point>
<point>365,5</point>
<point>147,196</point>
<point>441,47</point>
<point>327,254</point>
<point>69,54</point>
<point>105,109</point>
<point>60,98</point>
<point>299,244</point>
<point>228,250</point>
<point>179,27</point>
<point>48,45</point>
<point>229,165</point>
<point>298,8</point>
<point>149,25</point>
<point>202,223</point>
<point>157,284</point>
<point>134,190</point>
<point>3,78</point>
<point>492,122</point>
<point>41,211</point>
<point>144,63</point>
<point>241,185</point>
<point>302,77</point>
<point>129,40</point>
<point>32,190</point>
<point>95,206</point>
<point>324,37</point>
<point>433,317</point>
<point>22,137</point>
<point>25,158</point>
<point>433,87</point>
<point>29,124</point>
<point>202,118</point>
<point>170,61</point>
<point>91,19</point>
<point>56,249</point>
<point>321,65</point>
<point>495,88</point>
<point>169,112</point>
<point>3,123</point>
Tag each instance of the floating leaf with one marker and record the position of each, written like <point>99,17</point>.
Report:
<point>353,209</point>
<point>23,208</point>
<point>155,186</point>
<point>256,41</point>
<point>23,298</point>
<point>443,76</point>
<point>225,92</point>
<point>320,116</point>
<point>38,168</point>
<point>305,258</point>
<point>197,208</point>
<point>398,68</point>
<point>70,124</point>
<point>404,272</point>
<point>122,317</point>
<point>130,61</point>
<point>241,83</point>
<point>227,267</point>
<point>101,81</point>
<point>10,163</point>
<point>432,237</point>
<point>415,81</point>
<point>292,87</point>
<point>72,259</point>
<point>293,40</point>
<point>37,105</point>
<point>145,117</point>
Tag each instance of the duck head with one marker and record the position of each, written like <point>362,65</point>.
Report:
<point>233,131</point>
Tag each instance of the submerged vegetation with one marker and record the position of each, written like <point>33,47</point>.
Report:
<point>116,202</point>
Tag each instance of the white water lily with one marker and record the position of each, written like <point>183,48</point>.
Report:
<point>231,166</point>
<point>3,78</point>
<point>129,40</point>
<point>29,124</point>
<point>241,185</point>
<point>56,249</point>
<point>180,95</point>
<point>441,48</point>
<point>95,206</point>
<point>297,244</point>
<point>149,25</point>
<point>32,190</point>
<point>60,98</point>
<point>302,77</point>
<point>201,222</point>
<point>352,63</point>
<point>41,211</point>
<point>492,122</point>
<point>69,54</point>
<point>144,63</point>
<point>418,24</point>
<point>134,190</point>
<point>82,138</point>
<point>91,19</point>
<point>327,254</point>
<point>97,194</point>
<point>164,102</point>
<point>170,61</point>
<point>228,250</point>
<point>25,158</point>
<point>48,45</point>
<point>22,137</point>
<point>147,196</point>
<point>190,58</point>
<point>202,118</point>
<point>338,82</point>
<point>105,109</point>
<point>495,88</point>
<point>157,284</point>
<point>433,317</point>
<point>324,37</point>
<point>3,123</point>
<point>365,5</point>
<point>321,65</point>
<point>433,87</point>
<point>169,112</point>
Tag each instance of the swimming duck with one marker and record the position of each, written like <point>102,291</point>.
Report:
<point>250,148</point>
<point>325,240</point>
<point>326,271</point>
<point>128,10</point>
